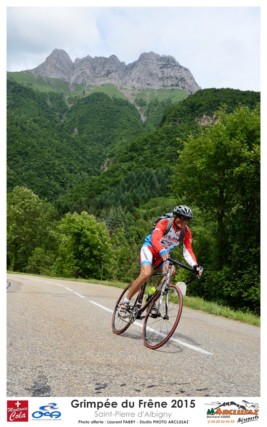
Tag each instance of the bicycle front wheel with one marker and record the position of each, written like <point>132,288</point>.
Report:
<point>119,325</point>
<point>162,318</point>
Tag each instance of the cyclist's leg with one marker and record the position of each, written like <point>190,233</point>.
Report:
<point>145,271</point>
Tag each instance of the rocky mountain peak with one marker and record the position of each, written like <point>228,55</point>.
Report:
<point>155,57</point>
<point>57,65</point>
<point>151,70</point>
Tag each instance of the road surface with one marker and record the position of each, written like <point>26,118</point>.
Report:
<point>60,343</point>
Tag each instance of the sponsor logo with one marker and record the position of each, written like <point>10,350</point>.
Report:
<point>243,412</point>
<point>49,411</point>
<point>17,410</point>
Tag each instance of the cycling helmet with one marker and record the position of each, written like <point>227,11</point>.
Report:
<point>183,210</point>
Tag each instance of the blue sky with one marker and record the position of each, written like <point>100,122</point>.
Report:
<point>219,45</point>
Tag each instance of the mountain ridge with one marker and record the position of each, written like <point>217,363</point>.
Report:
<point>151,70</point>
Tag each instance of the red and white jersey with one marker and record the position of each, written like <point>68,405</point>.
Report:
<point>157,241</point>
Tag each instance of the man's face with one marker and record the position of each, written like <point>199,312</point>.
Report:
<point>180,221</point>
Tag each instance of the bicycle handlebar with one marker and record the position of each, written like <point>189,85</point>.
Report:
<point>173,261</point>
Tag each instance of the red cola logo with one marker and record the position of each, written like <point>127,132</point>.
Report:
<point>17,410</point>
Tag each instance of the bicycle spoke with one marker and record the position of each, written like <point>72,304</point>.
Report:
<point>159,327</point>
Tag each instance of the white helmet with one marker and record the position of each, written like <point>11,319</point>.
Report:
<point>183,210</point>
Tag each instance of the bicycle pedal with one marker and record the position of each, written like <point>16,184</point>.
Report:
<point>154,315</point>
<point>139,316</point>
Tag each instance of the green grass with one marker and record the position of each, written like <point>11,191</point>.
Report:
<point>195,303</point>
<point>39,83</point>
<point>148,95</point>
<point>107,89</point>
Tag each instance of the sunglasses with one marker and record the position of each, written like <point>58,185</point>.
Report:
<point>183,218</point>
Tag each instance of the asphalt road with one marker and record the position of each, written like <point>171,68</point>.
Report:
<point>60,343</point>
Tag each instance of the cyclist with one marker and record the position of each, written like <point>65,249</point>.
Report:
<point>156,248</point>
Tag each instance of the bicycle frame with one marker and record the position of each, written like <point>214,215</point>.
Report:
<point>138,309</point>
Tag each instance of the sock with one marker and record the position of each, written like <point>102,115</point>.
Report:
<point>126,300</point>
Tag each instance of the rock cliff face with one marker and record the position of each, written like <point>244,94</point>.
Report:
<point>149,71</point>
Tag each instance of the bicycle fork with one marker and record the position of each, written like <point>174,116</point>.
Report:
<point>160,306</point>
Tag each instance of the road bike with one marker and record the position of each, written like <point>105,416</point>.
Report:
<point>159,303</point>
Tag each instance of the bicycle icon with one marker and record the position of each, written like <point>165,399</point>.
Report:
<point>49,410</point>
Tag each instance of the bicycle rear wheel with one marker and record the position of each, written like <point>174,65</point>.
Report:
<point>160,324</point>
<point>119,325</point>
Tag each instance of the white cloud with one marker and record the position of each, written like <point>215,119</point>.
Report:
<point>35,32</point>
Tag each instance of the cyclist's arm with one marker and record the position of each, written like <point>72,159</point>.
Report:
<point>157,235</point>
<point>188,252</point>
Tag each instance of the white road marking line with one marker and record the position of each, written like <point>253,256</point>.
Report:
<point>101,306</point>
<point>78,295</point>
<point>75,293</point>
<point>140,325</point>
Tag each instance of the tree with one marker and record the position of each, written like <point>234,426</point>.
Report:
<point>126,256</point>
<point>84,247</point>
<point>219,171</point>
<point>29,225</point>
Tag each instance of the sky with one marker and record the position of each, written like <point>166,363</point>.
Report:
<point>219,45</point>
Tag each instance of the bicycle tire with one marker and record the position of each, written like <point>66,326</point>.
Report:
<point>157,330</point>
<point>119,325</point>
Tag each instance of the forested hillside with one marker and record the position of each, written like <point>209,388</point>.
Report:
<point>87,177</point>
<point>53,145</point>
